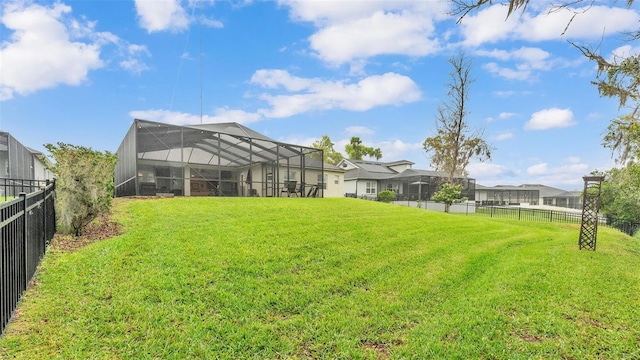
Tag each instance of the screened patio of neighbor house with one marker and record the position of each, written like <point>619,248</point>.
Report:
<point>413,184</point>
<point>225,159</point>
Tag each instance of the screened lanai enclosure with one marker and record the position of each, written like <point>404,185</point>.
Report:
<point>226,159</point>
<point>19,162</point>
<point>422,184</point>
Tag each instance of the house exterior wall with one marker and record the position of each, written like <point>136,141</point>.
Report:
<point>40,171</point>
<point>481,195</point>
<point>400,167</point>
<point>358,188</point>
<point>335,184</point>
<point>349,187</point>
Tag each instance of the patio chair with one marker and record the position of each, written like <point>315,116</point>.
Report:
<point>310,190</point>
<point>290,188</point>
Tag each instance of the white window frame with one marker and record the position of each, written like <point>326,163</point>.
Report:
<point>370,187</point>
<point>322,181</point>
<point>287,173</point>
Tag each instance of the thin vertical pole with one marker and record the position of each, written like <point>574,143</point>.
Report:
<point>201,112</point>
<point>23,200</point>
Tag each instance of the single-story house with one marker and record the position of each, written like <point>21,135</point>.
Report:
<point>528,194</point>
<point>364,179</point>
<point>225,159</point>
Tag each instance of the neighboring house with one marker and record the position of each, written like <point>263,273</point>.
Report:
<point>365,179</point>
<point>333,181</point>
<point>225,159</point>
<point>528,194</point>
<point>20,162</point>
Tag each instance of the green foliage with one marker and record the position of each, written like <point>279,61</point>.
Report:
<point>620,80</point>
<point>363,281</point>
<point>330,155</point>
<point>84,185</point>
<point>449,194</point>
<point>386,196</point>
<point>454,144</point>
<point>356,150</point>
<point>623,137</point>
<point>620,195</point>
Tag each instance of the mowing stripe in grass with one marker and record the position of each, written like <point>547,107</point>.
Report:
<point>330,278</point>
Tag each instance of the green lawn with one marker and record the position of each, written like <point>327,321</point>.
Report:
<point>237,278</point>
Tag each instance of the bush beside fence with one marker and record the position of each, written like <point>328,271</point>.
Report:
<point>27,225</point>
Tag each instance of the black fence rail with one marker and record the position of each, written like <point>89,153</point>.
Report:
<point>519,213</point>
<point>11,188</point>
<point>27,225</point>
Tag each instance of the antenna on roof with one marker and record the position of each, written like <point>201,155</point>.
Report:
<point>200,73</point>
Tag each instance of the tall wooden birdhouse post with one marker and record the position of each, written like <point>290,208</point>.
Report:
<point>590,207</point>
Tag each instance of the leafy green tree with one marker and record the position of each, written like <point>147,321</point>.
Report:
<point>330,155</point>
<point>356,150</point>
<point>449,194</point>
<point>620,195</point>
<point>454,144</point>
<point>376,153</point>
<point>84,185</point>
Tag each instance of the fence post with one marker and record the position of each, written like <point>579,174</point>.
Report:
<point>519,208</point>
<point>23,199</point>
<point>44,212</point>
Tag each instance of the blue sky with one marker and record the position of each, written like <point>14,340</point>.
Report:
<point>79,72</point>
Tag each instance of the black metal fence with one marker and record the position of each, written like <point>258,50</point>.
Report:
<point>11,188</point>
<point>520,213</point>
<point>27,225</point>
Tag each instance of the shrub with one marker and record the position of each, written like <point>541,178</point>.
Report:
<point>449,194</point>
<point>84,185</point>
<point>386,196</point>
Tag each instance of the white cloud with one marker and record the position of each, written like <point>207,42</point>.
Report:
<point>538,169</point>
<point>501,116</point>
<point>397,149</point>
<point>161,15</point>
<point>48,47</point>
<point>540,24</point>
<point>485,173</point>
<point>40,53</point>
<point>476,29</point>
<point>380,33</point>
<point>505,135</point>
<point>212,23</point>
<point>563,176</point>
<point>550,118</point>
<point>508,73</point>
<point>503,94</point>
<point>358,30</point>
<point>222,115</point>
<point>132,63</point>
<point>317,95</point>
<point>506,115</point>
<point>623,52</point>
<point>527,61</point>
<point>573,160</point>
<point>359,130</point>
